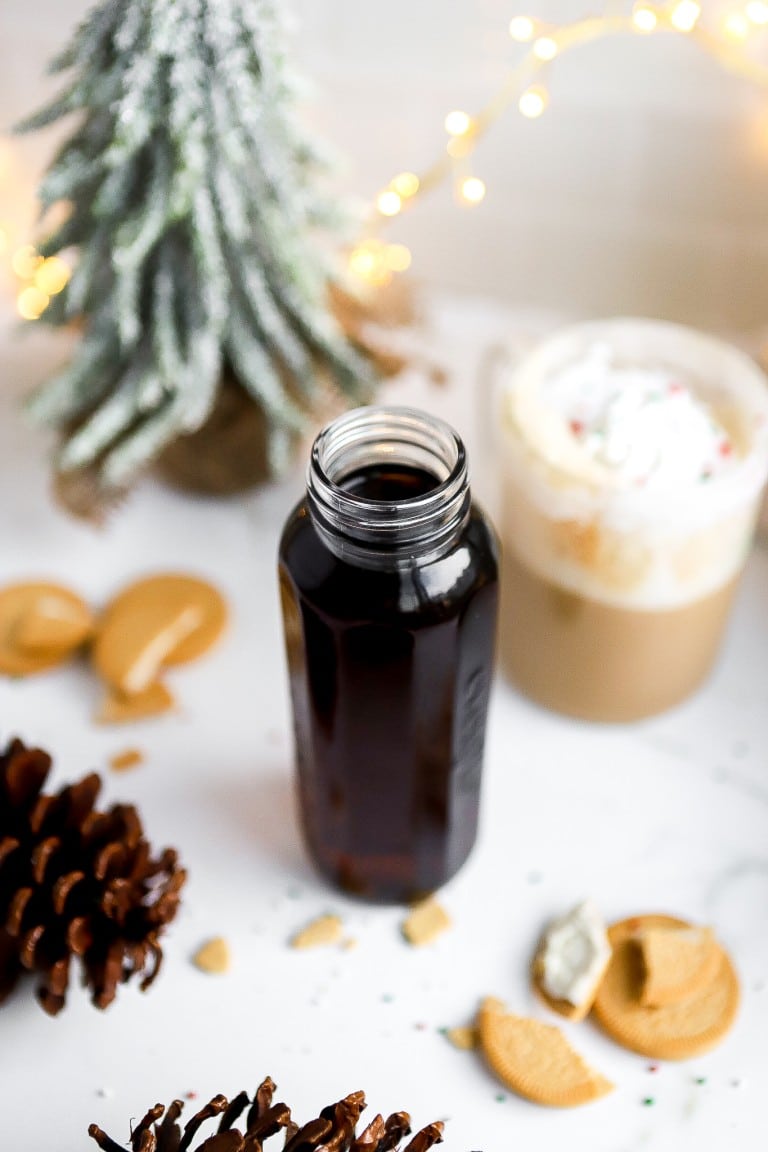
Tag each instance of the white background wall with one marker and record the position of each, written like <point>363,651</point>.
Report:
<point>644,187</point>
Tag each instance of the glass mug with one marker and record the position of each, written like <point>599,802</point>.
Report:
<point>629,460</point>
<point>388,583</point>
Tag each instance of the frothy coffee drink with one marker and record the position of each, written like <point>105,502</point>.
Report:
<point>633,456</point>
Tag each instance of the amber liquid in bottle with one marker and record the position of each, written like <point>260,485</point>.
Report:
<point>390,674</point>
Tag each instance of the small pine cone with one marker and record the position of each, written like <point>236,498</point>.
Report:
<point>76,882</point>
<point>332,1131</point>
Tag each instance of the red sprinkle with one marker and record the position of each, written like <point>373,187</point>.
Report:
<point>190,1095</point>
<point>653,1067</point>
<point>725,448</point>
<point>675,386</point>
<point>576,426</point>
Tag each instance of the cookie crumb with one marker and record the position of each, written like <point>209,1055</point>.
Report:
<point>348,944</point>
<point>128,758</point>
<point>213,956</point>
<point>318,933</point>
<point>425,923</point>
<point>464,1038</point>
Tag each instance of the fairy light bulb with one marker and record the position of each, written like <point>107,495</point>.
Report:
<point>685,15</point>
<point>31,303</point>
<point>389,202</point>
<point>472,190</point>
<point>533,102</point>
<point>362,261</point>
<point>406,184</point>
<point>51,276</point>
<point>757,12</point>
<point>397,257</point>
<point>458,147</point>
<point>545,48</point>
<point>458,123</point>
<point>644,19</point>
<point>522,29</point>
<point>736,26</point>
<point>26,260</point>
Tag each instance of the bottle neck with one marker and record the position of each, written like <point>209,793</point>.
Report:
<point>392,531</point>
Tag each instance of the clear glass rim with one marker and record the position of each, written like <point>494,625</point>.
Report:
<point>378,434</point>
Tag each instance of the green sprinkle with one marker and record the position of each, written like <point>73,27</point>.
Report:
<point>700,1080</point>
<point>500,1098</point>
<point>648,1101</point>
<point>387,999</point>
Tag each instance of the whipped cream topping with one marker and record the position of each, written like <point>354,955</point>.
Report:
<point>574,955</point>
<point>626,423</point>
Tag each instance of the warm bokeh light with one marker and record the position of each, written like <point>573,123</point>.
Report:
<point>757,12</point>
<point>31,302</point>
<point>533,102</point>
<point>398,258</point>
<point>545,48</point>
<point>736,26</point>
<point>52,276</point>
<point>406,184</point>
<point>26,261</point>
<point>644,19</point>
<point>685,15</point>
<point>389,202</point>
<point>458,123</point>
<point>522,29</point>
<point>472,190</point>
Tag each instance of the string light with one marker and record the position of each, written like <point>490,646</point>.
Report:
<point>533,102</point>
<point>458,123</point>
<point>644,19</point>
<point>726,42</point>
<point>51,276</point>
<point>736,26</point>
<point>757,12</point>
<point>472,190</point>
<point>398,257</point>
<point>545,48</point>
<point>685,15</point>
<point>31,303</point>
<point>522,29</point>
<point>406,184</point>
<point>389,202</point>
<point>25,262</point>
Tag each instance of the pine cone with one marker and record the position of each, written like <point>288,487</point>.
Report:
<point>332,1131</point>
<point>76,882</point>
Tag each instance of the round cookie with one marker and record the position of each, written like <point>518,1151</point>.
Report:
<point>157,621</point>
<point>41,625</point>
<point>667,1032</point>
<point>535,1060</point>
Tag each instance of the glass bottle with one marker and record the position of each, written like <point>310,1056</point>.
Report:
<point>388,579</point>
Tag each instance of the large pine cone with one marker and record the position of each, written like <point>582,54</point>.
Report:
<point>332,1131</point>
<point>76,882</point>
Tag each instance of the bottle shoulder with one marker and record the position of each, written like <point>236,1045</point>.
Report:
<point>337,587</point>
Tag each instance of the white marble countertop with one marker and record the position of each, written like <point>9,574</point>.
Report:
<point>666,815</point>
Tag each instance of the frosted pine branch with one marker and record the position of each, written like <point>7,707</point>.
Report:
<point>201,232</point>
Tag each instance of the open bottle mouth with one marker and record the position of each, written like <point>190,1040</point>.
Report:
<point>380,531</point>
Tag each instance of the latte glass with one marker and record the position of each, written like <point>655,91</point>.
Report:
<point>621,558</point>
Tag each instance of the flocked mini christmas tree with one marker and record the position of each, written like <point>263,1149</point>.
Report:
<point>201,235</point>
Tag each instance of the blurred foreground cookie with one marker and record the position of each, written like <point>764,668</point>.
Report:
<point>245,1125</point>
<point>165,619</point>
<point>41,625</point>
<point>570,961</point>
<point>535,1060</point>
<point>704,983</point>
